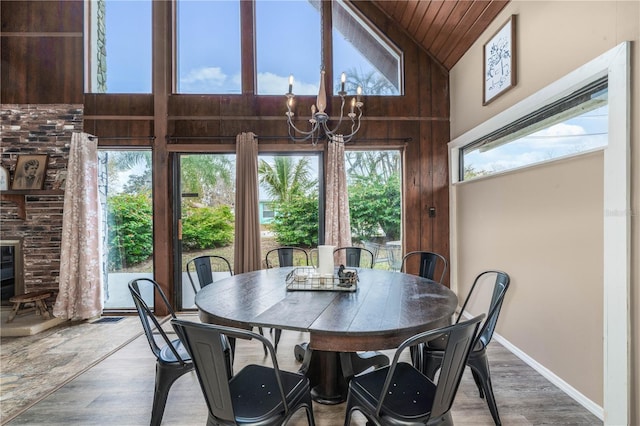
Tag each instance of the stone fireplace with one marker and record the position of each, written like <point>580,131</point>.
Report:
<point>11,269</point>
<point>32,219</point>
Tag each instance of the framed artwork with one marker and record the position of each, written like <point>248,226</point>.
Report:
<point>499,61</point>
<point>4,179</point>
<point>60,180</point>
<point>30,172</point>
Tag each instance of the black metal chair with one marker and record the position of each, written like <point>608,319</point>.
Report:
<point>401,395</point>
<point>205,267</point>
<point>429,263</point>
<point>286,257</point>
<point>354,255</point>
<point>172,359</point>
<point>478,360</point>
<point>255,395</point>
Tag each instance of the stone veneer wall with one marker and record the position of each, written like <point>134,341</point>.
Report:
<point>38,129</point>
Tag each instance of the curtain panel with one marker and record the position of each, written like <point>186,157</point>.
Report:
<point>337,219</point>
<point>247,254</point>
<point>80,290</point>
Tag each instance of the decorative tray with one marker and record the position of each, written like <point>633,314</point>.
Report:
<point>308,279</point>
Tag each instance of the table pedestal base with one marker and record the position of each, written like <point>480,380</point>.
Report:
<point>324,370</point>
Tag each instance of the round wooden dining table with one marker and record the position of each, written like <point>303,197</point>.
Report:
<point>387,308</point>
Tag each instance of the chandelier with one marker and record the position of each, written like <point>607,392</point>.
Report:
<point>319,121</point>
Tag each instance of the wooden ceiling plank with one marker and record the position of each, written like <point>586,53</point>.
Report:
<point>418,17</point>
<point>427,22</point>
<point>439,22</point>
<point>475,31</point>
<point>398,10</point>
<point>455,28</point>
<point>462,30</point>
<point>409,11</point>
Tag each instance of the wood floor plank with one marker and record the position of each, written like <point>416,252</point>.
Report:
<point>119,391</point>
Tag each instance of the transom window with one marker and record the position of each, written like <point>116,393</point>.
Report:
<point>366,56</point>
<point>208,47</point>
<point>119,57</point>
<point>577,123</point>
<point>288,40</point>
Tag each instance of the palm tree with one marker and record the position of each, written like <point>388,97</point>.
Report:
<point>285,178</point>
<point>209,176</point>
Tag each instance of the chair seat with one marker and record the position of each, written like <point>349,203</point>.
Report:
<point>252,403</point>
<point>412,394</point>
<point>167,356</point>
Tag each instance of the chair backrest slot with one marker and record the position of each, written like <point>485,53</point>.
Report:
<point>353,255</point>
<point>287,256</point>
<point>429,263</point>
<point>204,267</point>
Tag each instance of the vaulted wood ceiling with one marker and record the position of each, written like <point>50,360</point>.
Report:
<point>445,28</point>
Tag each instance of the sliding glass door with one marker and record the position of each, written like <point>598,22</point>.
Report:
<point>288,208</point>
<point>126,223</point>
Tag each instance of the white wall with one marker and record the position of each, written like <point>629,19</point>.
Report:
<point>553,39</point>
<point>543,226</point>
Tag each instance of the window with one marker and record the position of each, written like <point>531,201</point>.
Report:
<point>120,46</point>
<point>367,57</point>
<point>208,47</point>
<point>287,42</point>
<point>574,124</point>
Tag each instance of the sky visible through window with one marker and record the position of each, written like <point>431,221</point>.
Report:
<point>288,42</point>
<point>579,134</point>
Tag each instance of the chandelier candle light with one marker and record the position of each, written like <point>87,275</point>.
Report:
<point>320,119</point>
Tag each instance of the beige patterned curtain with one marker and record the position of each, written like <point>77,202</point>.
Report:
<point>247,255</point>
<point>337,222</point>
<point>80,293</point>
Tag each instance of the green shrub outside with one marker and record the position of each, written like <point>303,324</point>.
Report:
<point>296,221</point>
<point>207,227</point>
<point>374,205</point>
<point>130,219</point>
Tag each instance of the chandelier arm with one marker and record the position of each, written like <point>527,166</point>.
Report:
<point>335,129</point>
<point>307,135</point>
<point>355,127</point>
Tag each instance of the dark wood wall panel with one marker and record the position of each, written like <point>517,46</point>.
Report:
<point>118,104</point>
<point>118,132</point>
<point>24,58</point>
<point>42,16</point>
<point>42,52</point>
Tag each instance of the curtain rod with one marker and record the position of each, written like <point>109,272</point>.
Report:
<point>173,138</point>
<point>121,138</point>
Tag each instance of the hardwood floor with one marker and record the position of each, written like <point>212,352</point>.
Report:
<point>119,391</point>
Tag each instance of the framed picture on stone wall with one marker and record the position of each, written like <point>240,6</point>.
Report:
<point>4,179</point>
<point>30,172</point>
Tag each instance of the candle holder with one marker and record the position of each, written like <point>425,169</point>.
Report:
<point>319,121</point>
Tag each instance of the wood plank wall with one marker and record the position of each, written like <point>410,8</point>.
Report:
<point>42,62</point>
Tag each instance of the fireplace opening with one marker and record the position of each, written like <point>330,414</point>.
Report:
<point>11,282</point>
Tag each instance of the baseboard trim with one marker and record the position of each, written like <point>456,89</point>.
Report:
<point>594,408</point>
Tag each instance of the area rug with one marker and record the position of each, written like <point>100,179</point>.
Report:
<point>32,367</point>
